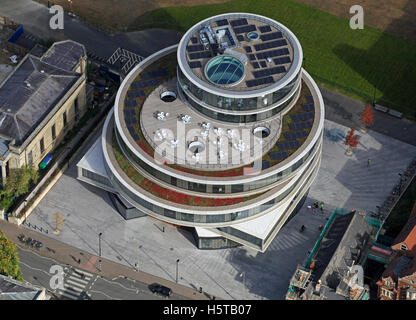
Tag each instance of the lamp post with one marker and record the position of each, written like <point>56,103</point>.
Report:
<point>99,247</point>
<point>177,270</point>
<point>70,5</point>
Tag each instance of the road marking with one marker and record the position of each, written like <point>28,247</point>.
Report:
<point>73,288</point>
<point>81,279</point>
<point>76,283</point>
<point>69,295</point>
<point>84,272</point>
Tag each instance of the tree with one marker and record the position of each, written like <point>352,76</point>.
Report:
<point>367,116</point>
<point>17,183</point>
<point>9,260</point>
<point>351,141</point>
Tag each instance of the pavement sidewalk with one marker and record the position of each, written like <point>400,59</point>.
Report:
<point>72,256</point>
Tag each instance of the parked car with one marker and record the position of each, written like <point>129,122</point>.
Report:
<point>21,237</point>
<point>161,290</point>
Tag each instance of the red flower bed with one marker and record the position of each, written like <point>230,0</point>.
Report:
<point>186,199</point>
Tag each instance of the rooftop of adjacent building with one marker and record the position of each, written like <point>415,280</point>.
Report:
<point>31,91</point>
<point>407,235</point>
<point>11,289</point>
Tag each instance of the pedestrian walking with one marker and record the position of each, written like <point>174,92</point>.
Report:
<point>322,206</point>
<point>368,162</point>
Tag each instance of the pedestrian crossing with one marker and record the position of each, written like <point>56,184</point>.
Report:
<point>77,282</point>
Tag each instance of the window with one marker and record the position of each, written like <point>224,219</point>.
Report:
<point>387,293</point>
<point>403,247</point>
<point>42,146</point>
<point>64,119</point>
<point>76,109</point>
<point>30,158</point>
<point>53,132</point>
<point>411,295</point>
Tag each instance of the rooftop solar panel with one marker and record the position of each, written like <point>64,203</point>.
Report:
<point>309,99</point>
<point>300,125</point>
<point>252,57</point>
<point>255,65</point>
<point>194,40</point>
<point>271,44</point>
<point>240,37</point>
<point>239,22</point>
<point>263,64</point>
<point>302,116</point>
<point>265,164</point>
<point>130,120</point>
<point>245,29</point>
<point>308,107</point>
<point>278,155</point>
<point>264,29</point>
<point>199,55</point>
<point>288,144</point>
<point>131,129</point>
<point>247,48</point>
<point>195,64</point>
<point>269,72</point>
<point>272,53</point>
<point>222,22</point>
<point>251,83</point>
<point>271,36</point>
<point>194,48</point>
<point>130,103</point>
<point>281,60</point>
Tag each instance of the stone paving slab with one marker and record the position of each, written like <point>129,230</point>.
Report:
<point>237,273</point>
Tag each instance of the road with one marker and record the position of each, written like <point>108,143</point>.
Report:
<point>35,18</point>
<point>36,269</point>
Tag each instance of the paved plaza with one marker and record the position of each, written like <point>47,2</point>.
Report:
<point>238,273</point>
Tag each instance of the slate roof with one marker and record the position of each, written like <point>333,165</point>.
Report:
<point>407,235</point>
<point>29,94</point>
<point>11,289</point>
<point>64,54</point>
<point>344,242</point>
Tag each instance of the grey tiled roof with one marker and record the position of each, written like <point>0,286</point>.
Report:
<point>11,289</point>
<point>64,54</point>
<point>29,94</point>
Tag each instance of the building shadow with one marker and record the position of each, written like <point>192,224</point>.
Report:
<point>392,90</point>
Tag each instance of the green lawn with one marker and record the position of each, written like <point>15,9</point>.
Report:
<point>359,63</point>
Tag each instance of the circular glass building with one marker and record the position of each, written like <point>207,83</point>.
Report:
<point>221,133</point>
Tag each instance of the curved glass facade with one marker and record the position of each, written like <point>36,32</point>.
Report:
<point>208,188</point>
<point>142,204</point>
<point>247,118</point>
<point>235,104</point>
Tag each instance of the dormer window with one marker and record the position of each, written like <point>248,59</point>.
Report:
<point>403,247</point>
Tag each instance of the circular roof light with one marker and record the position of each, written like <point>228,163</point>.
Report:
<point>253,35</point>
<point>224,70</point>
